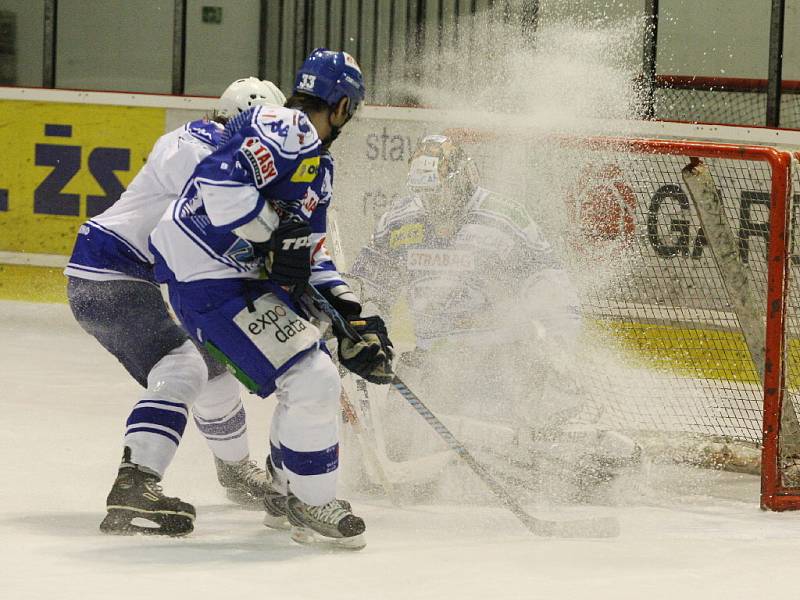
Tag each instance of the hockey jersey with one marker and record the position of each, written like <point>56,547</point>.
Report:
<point>114,244</point>
<point>453,277</point>
<point>265,155</point>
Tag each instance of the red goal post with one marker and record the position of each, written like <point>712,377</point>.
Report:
<point>774,495</point>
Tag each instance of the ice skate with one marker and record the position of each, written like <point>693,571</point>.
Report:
<point>275,510</point>
<point>245,483</point>
<point>275,516</point>
<point>136,494</point>
<point>332,523</point>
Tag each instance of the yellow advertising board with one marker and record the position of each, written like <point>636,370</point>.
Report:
<point>63,163</point>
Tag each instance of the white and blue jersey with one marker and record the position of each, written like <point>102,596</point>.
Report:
<point>456,274</point>
<point>275,156</point>
<point>114,244</point>
<point>217,280</point>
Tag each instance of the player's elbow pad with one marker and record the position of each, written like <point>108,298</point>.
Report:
<point>261,227</point>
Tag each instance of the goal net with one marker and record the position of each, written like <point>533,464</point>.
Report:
<point>695,307</point>
<point>723,100</point>
<point>686,314</point>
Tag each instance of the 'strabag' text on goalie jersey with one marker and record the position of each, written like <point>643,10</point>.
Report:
<point>265,155</point>
<point>453,279</point>
<point>113,245</point>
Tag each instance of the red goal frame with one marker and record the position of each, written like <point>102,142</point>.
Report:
<point>774,495</point>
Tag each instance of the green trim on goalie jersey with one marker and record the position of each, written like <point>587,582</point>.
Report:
<point>505,207</point>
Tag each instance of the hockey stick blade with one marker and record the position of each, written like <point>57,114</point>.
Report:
<point>602,527</point>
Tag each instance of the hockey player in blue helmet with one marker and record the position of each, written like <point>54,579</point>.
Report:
<point>330,87</point>
<point>238,250</point>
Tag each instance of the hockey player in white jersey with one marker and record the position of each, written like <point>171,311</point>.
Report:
<point>113,295</point>
<point>237,251</point>
<point>486,297</point>
<point>458,252</point>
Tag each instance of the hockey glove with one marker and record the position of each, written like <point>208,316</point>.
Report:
<point>290,244</point>
<point>371,357</point>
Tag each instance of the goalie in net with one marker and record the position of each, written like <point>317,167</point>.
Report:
<point>494,318</point>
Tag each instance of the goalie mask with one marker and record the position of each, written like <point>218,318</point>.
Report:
<point>443,176</point>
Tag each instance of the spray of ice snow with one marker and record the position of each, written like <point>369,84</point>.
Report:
<point>508,396</point>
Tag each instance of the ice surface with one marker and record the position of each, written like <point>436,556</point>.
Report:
<point>690,534</point>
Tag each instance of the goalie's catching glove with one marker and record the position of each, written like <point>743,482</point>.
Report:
<point>371,357</point>
<point>290,244</point>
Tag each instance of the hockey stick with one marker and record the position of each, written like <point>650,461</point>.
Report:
<point>367,446</point>
<point>366,426</point>
<point>408,471</point>
<point>582,528</point>
<point>388,473</point>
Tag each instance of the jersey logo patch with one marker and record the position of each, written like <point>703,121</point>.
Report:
<point>276,330</point>
<point>440,260</point>
<point>261,161</point>
<point>310,202</point>
<point>413,233</point>
<point>307,170</point>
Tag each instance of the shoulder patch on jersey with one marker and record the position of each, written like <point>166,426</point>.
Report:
<point>306,171</point>
<point>412,233</point>
<point>205,131</point>
<point>288,129</point>
<point>261,160</point>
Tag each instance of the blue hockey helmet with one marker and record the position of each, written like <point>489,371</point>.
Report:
<point>331,76</point>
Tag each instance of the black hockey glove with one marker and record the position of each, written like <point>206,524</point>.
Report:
<point>290,245</point>
<point>370,358</point>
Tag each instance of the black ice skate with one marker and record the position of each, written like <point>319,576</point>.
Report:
<point>136,494</point>
<point>245,483</point>
<point>332,523</point>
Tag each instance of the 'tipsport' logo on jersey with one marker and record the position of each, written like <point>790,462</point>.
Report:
<point>307,170</point>
<point>261,161</point>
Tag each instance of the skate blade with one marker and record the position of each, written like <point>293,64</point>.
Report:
<point>120,522</point>
<point>245,500</point>
<point>306,536</point>
<point>281,523</point>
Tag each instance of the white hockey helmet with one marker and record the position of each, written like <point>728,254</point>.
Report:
<point>245,93</point>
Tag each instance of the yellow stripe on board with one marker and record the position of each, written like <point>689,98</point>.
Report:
<point>32,284</point>
<point>697,353</point>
